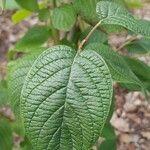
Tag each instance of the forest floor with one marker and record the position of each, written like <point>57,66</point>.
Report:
<point>131,118</point>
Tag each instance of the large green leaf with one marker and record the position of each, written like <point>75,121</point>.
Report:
<point>66,99</point>
<point>115,14</point>
<point>119,69</point>
<point>64,17</point>
<point>31,5</point>
<point>141,69</point>
<point>35,37</point>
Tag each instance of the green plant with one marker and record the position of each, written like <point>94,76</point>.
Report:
<point>62,95</point>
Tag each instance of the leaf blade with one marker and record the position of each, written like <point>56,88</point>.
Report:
<point>31,5</point>
<point>63,17</point>
<point>115,14</point>
<point>68,118</point>
<point>118,67</point>
<point>35,37</point>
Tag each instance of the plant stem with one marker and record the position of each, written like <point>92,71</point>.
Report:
<point>55,32</point>
<point>88,36</point>
<point>54,3</point>
<point>127,42</point>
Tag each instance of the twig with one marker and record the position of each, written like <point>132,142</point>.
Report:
<point>55,32</point>
<point>88,36</point>
<point>127,42</point>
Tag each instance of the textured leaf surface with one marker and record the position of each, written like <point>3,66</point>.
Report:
<point>35,37</point>
<point>119,69</point>
<point>113,13</point>
<point>63,17</point>
<point>66,99</point>
<point>31,5</point>
<point>134,3</point>
<point>17,71</point>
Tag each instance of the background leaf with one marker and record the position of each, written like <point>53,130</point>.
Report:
<point>141,70</point>
<point>31,5</point>
<point>17,72</point>
<point>20,15</point>
<point>6,139</point>
<point>35,37</point>
<point>119,69</point>
<point>10,4</point>
<point>139,46</point>
<point>96,37</point>
<point>110,141</point>
<point>63,17</point>
<point>86,8</point>
<point>134,3</point>
<point>44,14</point>
<point>3,92</point>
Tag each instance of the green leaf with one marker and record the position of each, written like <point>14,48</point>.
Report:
<point>3,4</point>
<point>17,71</point>
<point>31,5</point>
<point>35,37</point>
<point>141,70</point>
<point>86,8</point>
<point>115,14</point>
<point>44,14</point>
<point>20,15</point>
<point>119,69</point>
<point>6,139</point>
<point>3,92</point>
<point>139,46</point>
<point>134,3</point>
<point>10,4</point>
<point>96,37</point>
<point>66,99</point>
<point>110,141</point>
<point>64,17</point>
